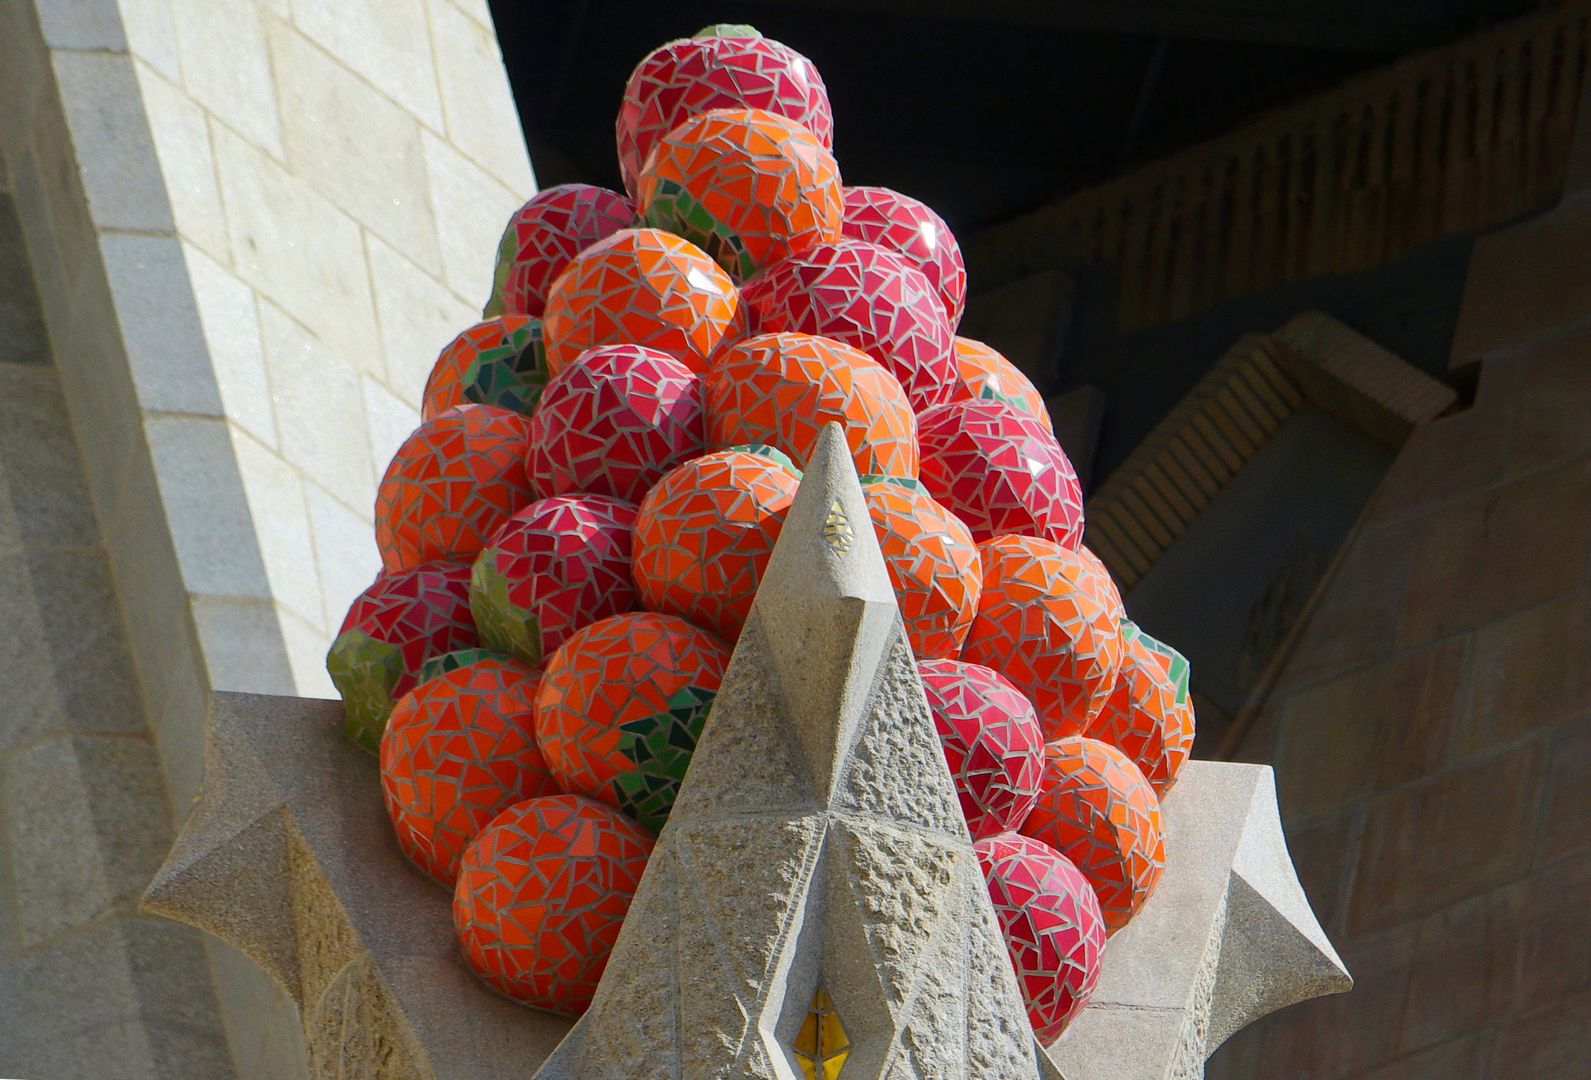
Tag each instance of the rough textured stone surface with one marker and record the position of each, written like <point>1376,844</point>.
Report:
<point>760,891</point>
<point>289,856</point>
<point>1226,938</point>
<point>291,830</point>
<point>852,873</point>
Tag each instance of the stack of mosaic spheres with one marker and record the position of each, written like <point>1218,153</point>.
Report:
<point>572,538</point>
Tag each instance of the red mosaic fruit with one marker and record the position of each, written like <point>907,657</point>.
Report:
<point>932,562</point>
<point>714,71</point>
<point>704,534</point>
<point>866,297</point>
<point>460,749</point>
<point>746,186</point>
<point>782,389</point>
<point>620,708</point>
<point>451,485</point>
<point>984,373</point>
<point>1052,924</point>
<point>497,362</point>
<point>1097,809</point>
<point>545,234</point>
<point>392,628</point>
<point>554,567</point>
<point>614,421</point>
<point>1001,471</point>
<point>899,223</point>
<point>1045,623</point>
<point>1149,715</point>
<point>992,742</point>
<point>542,893</point>
<point>642,287</point>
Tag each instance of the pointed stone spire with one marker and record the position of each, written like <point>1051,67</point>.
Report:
<point>814,897</point>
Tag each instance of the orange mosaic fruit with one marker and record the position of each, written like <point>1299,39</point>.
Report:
<point>1107,584</point>
<point>1097,809</point>
<point>452,485</point>
<point>781,389</point>
<point>1045,622</point>
<point>1149,715</point>
<point>983,372</point>
<point>542,894</point>
<point>746,186</point>
<point>497,362</point>
<point>704,534</point>
<point>933,564</point>
<point>621,705</point>
<point>642,287</point>
<point>460,749</point>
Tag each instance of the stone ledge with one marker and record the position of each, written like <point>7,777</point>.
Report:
<point>288,855</point>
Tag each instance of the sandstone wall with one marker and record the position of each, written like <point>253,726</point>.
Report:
<point>1432,731</point>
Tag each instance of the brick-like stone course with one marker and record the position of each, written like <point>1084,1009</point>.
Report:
<point>247,227</point>
<point>1432,730</point>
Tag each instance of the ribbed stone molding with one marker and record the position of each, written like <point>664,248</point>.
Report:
<point>813,845</point>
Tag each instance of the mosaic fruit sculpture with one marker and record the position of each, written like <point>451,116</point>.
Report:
<point>441,665</point>
<point>459,749</point>
<point>497,362</point>
<point>541,894</point>
<point>642,287</point>
<point>716,70</point>
<point>992,742</point>
<point>901,224</point>
<point>554,567</point>
<point>614,421</point>
<point>544,235</point>
<point>866,297</point>
<point>1148,716</point>
<point>1097,809</point>
<point>398,623</point>
<point>1001,470</point>
<point>746,186</point>
<point>1052,925</point>
<point>604,467</point>
<point>1043,621</point>
<point>704,534</point>
<point>451,485</point>
<point>621,705</point>
<point>932,562</point>
<point>781,389</point>
<point>983,372</point>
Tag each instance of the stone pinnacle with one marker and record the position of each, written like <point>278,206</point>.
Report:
<point>814,898</point>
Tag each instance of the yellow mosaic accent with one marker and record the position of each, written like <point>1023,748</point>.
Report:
<point>821,1045</point>
<point>837,530</point>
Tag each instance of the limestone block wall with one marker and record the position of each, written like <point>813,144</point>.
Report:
<point>337,173</point>
<point>269,216</point>
<point>250,224</point>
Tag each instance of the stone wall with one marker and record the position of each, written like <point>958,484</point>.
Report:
<point>250,224</point>
<point>1432,730</point>
<point>84,979</point>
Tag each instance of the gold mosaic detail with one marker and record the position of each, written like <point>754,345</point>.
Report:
<point>837,530</point>
<point>821,1046</point>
